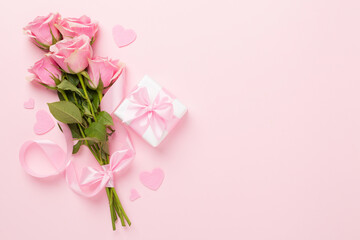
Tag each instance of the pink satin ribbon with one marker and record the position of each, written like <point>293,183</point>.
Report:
<point>115,93</point>
<point>92,180</point>
<point>143,112</point>
<point>58,158</point>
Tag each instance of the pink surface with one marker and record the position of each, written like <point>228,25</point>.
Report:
<point>268,150</point>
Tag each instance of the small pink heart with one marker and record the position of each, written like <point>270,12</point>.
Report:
<point>122,36</point>
<point>44,123</point>
<point>29,104</point>
<point>134,195</point>
<point>152,180</point>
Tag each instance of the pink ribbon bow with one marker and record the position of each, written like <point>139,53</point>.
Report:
<point>99,179</point>
<point>147,113</point>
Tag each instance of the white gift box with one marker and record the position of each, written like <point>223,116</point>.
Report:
<point>151,111</point>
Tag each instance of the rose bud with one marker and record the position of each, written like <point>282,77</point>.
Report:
<point>104,69</point>
<point>43,31</point>
<point>72,27</point>
<point>72,54</point>
<point>44,71</point>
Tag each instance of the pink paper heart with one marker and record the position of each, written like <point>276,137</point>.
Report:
<point>122,36</point>
<point>134,195</point>
<point>44,123</point>
<point>29,104</point>
<point>152,180</point>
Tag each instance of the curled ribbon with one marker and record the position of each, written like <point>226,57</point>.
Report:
<point>54,153</point>
<point>147,113</point>
<point>92,181</point>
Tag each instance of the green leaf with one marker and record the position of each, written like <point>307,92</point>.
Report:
<point>87,139</point>
<point>73,79</point>
<point>96,102</point>
<point>56,80</point>
<point>70,70</point>
<point>60,127</point>
<point>92,41</point>
<point>71,98</point>
<point>66,85</point>
<point>52,36</point>
<point>86,109</point>
<point>94,98</point>
<point>66,112</point>
<point>105,148</point>
<point>100,87</point>
<point>47,86</point>
<point>41,45</point>
<point>77,146</point>
<point>91,94</point>
<point>105,118</point>
<point>85,74</point>
<point>87,81</point>
<point>61,97</point>
<point>75,132</point>
<point>96,130</point>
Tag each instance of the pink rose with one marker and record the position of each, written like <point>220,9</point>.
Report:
<point>41,28</point>
<point>44,71</point>
<point>72,27</point>
<point>72,54</point>
<point>105,69</point>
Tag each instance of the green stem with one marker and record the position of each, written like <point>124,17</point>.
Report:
<point>74,95</point>
<point>112,211</point>
<point>99,91</point>
<point>63,94</point>
<point>107,159</point>
<point>86,95</point>
<point>117,209</point>
<point>82,133</point>
<point>118,203</point>
<point>98,150</point>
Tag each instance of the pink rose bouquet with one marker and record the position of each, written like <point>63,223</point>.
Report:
<point>80,79</point>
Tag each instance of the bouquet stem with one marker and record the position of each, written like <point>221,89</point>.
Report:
<point>92,132</point>
<point>116,208</point>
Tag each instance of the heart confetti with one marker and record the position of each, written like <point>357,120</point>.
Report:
<point>152,180</point>
<point>44,123</point>
<point>29,104</point>
<point>122,36</point>
<point>134,195</point>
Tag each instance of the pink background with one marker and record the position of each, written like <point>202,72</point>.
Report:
<point>268,150</point>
